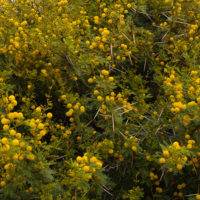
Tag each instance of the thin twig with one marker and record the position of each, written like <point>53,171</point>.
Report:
<point>94,116</point>
<point>111,50</point>
<point>163,172</point>
<point>146,118</point>
<point>160,114</point>
<point>165,35</point>
<point>141,126</point>
<point>113,123</point>
<point>126,111</point>
<point>130,60</point>
<point>190,195</point>
<point>106,190</point>
<point>145,63</point>
<point>60,157</point>
<point>158,129</point>
<point>125,36</point>
<point>123,135</point>
<point>134,39</point>
<point>127,121</point>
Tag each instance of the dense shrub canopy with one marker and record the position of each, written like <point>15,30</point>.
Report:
<point>99,99</point>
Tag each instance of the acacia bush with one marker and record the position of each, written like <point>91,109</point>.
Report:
<point>99,99</point>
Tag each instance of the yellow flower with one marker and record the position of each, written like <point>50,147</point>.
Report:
<point>170,170</point>
<point>6,167</point>
<point>105,72</point>
<point>79,159</point>
<point>15,157</point>
<point>96,92</point>
<point>69,113</point>
<point>29,148</point>
<point>12,132</point>
<point>134,148</point>
<point>38,109</point>
<point>93,159</point>
<point>3,183</point>
<point>49,115</point>
<point>5,127</point>
<point>86,168</point>
<point>129,5</point>
<point>68,132</point>
<point>11,97</point>
<point>40,125</point>
<point>187,136</point>
<point>82,109</point>
<point>176,144</point>
<point>31,157</point>
<point>18,135</point>
<point>90,80</point>
<point>71,119</point>
<point>110,151</point>
<point>69,105</point>
<point>192,103</point>
<point>15,142</point>
<point>21,157</point>
<point>111,78</point>
<point>76,107</point>
<point>100,98</point>
<point>198,196</point>
<point>11,115</point>
<point>4,140</point>
<point>22,144</point>
<point>166,153</point>
<point>189,146</point>
<point>5,121</point>
<point>179,166</point>
<point>162,160</point>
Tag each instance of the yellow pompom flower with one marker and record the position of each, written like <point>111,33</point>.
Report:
<point>40,125</point>
<point>4,140</point>
<point>86,168</point>
<point>166,153</point>
<point>15,142</point>
<point>100,98</point>
<point>111,78</point>
<point>90,80</point>
<point>110,151</point>
<point>129,5</point>
<point>38,109</point>
<point>11,115</point>
<point>5,121</point>
<point>31,157</point>
<point>105,72</point>
<point>3,183</point>
<point>15,157</point>
<point>29,148</point>
<point>162,160</point>
<point>6,127</point>
<point>11,97</point>
<point>18,135</point>
<point>12,132</point>
<point>82,109</point>
<point>93,159</point>
<point>79,159</point>
<point>22,144</point>
<point>134,148</point>
<point>179,166</point>
<point>49,115</point>
<point>69,105</point>
<point>69,113</point>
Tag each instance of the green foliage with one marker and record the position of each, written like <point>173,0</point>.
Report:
<point>99,100</point>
